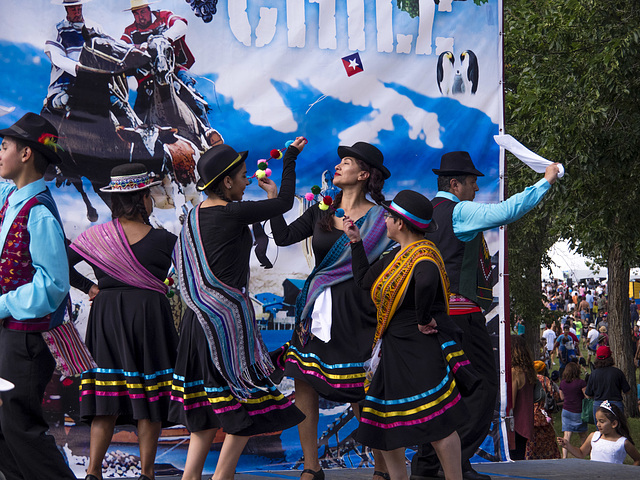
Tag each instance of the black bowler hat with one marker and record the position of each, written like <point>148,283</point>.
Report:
<point>217,161</point>
<point>130,177</point>
<point>457,163</point>
<point>414,208</point>
<point>38,133</point>
<point>367,153</point>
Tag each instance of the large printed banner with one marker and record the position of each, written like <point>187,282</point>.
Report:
<point>417,78</point>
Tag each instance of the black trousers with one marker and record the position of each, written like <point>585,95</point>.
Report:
<point>481,403</point>
<point>27,452</point>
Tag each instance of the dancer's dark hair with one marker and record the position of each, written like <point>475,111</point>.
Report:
<point>130,205</point>
<point>373,186</point>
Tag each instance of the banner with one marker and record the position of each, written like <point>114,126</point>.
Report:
<point>416,78</point>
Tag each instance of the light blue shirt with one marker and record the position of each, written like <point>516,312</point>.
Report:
<point>50,282</point>
<point>470,218</point>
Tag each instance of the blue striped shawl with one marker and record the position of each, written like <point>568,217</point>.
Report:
<point>225,313</point>
<point>336,265</point>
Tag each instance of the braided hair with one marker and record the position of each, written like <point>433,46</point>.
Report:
<point>373,186</point>
<point>130,205</point>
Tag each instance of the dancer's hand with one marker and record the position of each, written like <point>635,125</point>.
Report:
<point>93,291</point>
<point>268,186</point>
<point>551,173</point>
<point>299,143</point>
<point>351,229</point>
<point>430,328</point>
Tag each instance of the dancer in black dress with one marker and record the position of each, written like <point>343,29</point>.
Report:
<point>413,397</point>
<point>326,357</point>
<point>221,378</point>
<point>130,331</point>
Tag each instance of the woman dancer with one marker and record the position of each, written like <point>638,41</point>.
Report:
<point>130,332</point>
<point>221,377</point>
<point>326,358</point>
<point>413,397</point>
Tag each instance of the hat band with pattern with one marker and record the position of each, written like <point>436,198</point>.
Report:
<point>417,221</point>
<point>130,183</point>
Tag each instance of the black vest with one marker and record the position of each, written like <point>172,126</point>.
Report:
<point>468,264</point>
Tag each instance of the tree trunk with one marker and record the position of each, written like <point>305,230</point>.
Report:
<point>619,326</point>
<point>532,324</point>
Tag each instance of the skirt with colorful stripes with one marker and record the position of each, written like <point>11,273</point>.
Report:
<point>202,400</point>
<point>131,335</point>
<point>335,369</point>
<point>414,396</point>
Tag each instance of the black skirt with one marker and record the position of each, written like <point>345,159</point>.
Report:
<point>201,398</point>
<point>133,340</point>
<point>335,369</point>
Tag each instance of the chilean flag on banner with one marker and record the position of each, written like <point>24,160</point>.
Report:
<point>352,64</point>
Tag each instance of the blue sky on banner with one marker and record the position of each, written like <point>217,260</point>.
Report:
<point>273,69</point>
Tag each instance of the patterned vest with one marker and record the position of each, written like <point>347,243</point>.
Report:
<point>16,267</point>
<point>468,264</point>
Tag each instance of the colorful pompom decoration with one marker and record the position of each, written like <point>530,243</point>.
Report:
<point>261,174</point>
<point>263,164</point>
<point>315,190</point>
<point>309,196</point>
<point>323,206</point>
<point>268,172</point>
<point>275,153</point>
<point>288,144</point>
<point>327,200</point>
<point>340,213</point>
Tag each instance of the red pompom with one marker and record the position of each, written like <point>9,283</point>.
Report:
<point>327,200</point>
<point>275,153</point>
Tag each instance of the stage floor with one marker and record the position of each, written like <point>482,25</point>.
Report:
<point>525,470</point>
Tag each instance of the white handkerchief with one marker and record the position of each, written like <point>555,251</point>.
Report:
<point>321,316</point>
<point>5,385</point>
<point>533,160</point>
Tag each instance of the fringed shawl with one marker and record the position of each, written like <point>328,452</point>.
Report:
<point>390,287</point>
<point>336,266</point>
<point>225,313</point>
<point>106,247</point>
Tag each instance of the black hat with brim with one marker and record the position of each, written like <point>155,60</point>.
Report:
<point>367,153</point>
<point>130,177</point>
<point>217,161</point>
<point>457,163</point>
<point>38,133</point>
<point>414,208</point>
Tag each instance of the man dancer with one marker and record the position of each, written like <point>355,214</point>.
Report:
<point>35,273</point>
<point>468,263</point>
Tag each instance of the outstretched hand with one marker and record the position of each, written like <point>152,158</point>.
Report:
<point>551,173</point>
<point>351,229</point>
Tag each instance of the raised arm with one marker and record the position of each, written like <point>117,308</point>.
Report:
<point>258,211</point>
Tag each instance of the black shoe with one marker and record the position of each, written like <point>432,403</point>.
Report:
<point>91,477</point>
<point>471,474</point>
<point>319,475</point>
<point>143,477</point>
<point>380,474</point>
<point>436,476</point>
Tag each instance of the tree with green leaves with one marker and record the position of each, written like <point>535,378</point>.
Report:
<point>572,73</point>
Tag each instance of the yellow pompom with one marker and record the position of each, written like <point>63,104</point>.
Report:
<point>166,281</point>
<point>323,206</point>
<point>261,173</point>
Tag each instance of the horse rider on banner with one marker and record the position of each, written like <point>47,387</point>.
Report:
<point>149,22</point>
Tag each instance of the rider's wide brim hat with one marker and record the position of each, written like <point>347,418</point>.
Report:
<point>367,153</point>
<point>137,4</point>
<point>69,3</point>
<point>413,208</point>
<point>5,385</point>
<point>38,133</point>
<point>457,163</point>
<point>130,177</point>
<point>216,162</point>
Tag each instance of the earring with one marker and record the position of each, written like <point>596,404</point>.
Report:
<point>228,186</point>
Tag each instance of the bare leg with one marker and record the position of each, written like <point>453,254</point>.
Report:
<point>199,445</point>
<point>229,455</point>
<point>307,402</point>
<point>100,438</point>
<point>379,464</point>
<point>449,453</point>
<point>397,463</point>
<point>148,433</point>
<point>567,437</point>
